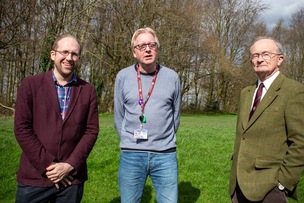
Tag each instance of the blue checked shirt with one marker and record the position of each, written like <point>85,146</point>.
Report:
<point>64,94</point>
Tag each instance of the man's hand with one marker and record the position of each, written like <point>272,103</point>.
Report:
<point>65,181</point>
<point>59,173</point>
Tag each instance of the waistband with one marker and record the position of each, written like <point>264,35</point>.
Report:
<point>154,151</point>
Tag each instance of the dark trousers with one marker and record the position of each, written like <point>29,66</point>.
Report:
<point>274,196</point>
<point>30,194</point>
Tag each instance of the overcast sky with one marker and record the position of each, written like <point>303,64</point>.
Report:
<point>280,9</point>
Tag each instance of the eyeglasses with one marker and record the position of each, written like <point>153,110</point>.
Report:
<point>265,55</point>
<point>143,47</point>
<point>65,53</point>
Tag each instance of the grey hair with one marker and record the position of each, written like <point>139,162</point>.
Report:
<point>278,44</point>
<point>144,30</point>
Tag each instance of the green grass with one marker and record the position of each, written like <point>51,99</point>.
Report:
<point>205,145</point>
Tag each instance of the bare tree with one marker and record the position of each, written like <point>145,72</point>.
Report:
<point>294,44</point>
<point>227,24</point>
<point>205,41</point>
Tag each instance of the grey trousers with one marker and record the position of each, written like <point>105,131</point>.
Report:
<point>274,196</point>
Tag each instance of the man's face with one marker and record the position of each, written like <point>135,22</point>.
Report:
<point>265,58</point>
<point>145,50</point>
<point>66,56</point>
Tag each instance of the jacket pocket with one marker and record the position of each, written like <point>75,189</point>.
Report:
<point>261,163</point>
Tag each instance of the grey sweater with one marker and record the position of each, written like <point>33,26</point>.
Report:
<point>162,109</point>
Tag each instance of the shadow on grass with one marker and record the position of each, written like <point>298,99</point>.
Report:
<point>187,194</point>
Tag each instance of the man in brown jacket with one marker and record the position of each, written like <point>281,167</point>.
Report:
<point>56,126</point>
<point>268,157</point>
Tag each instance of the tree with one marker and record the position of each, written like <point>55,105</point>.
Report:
<point>205,41</point>
<point>294,48</point>
<point>227,23</point>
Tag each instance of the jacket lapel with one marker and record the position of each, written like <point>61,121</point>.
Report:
<point>245,111</point>
<point>51,92</point>
<point>76,89</point>
<point>269,97</point>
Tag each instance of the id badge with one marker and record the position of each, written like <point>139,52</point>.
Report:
<point>141,134</point>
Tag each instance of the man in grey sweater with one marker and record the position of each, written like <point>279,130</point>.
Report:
<point>146,117</point>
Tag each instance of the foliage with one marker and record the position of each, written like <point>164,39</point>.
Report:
<point>205,41</point>
<point>205,145</point>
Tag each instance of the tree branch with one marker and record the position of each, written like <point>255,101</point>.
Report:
<point>7,107</point>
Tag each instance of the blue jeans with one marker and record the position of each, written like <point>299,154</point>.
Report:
<point>134,169</point>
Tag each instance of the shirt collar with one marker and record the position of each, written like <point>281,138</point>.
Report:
<point>269,81</point>
<point>72,81</point>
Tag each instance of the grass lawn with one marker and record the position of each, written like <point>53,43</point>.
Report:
<point>205,145</point>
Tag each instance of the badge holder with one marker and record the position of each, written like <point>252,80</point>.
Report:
<point>141,133</point>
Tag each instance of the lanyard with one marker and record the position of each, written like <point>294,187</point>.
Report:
<point>141,102</point>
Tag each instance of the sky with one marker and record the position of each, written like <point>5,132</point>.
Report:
<point>280,9</point>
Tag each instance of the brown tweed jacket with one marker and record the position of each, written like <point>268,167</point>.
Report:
<point>269,148</point>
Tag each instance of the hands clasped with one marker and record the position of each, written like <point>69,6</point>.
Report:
<point>58,173</point>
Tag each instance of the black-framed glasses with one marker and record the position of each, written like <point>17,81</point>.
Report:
<point>65,53</point>
<point>266,55</point>
<point>143,47</point>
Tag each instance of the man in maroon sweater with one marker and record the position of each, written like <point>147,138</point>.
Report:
<point>56,126</point>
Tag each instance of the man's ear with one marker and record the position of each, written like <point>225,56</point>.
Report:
<point>281,59</point>
<point>52,54</point>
